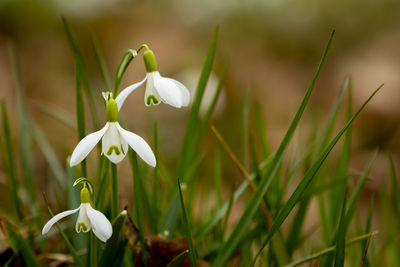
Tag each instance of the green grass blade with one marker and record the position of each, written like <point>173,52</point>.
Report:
<point>230,204</point>
<point>189,240</point>
<point>261,130</point>
<point>110,251</point>
<point>49,154</point>
<point>9,161</point>
<point>188,149</point>
<point>114,191</point>
<point>155,187</point>
<point>317,255</point>
<point>309,176</point>
<point>104,181</point>
<point>138,197</point>
<point>24,138</point>
<point>341,236</point>
<point>101,62</point>
<point>70,247</point>
<point>81,73</point>
<point>80,114</point>
<point>251,208</point>
<point>176,262</point>
<point>395,185</point>
<point>365,243</point>
<point>20,245</point>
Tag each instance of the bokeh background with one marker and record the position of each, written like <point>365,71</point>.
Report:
<point>269,49</point>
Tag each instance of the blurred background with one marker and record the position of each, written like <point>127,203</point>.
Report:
<point>269,49</point>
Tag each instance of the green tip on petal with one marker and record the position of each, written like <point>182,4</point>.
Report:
<point>85,195</point>
<point>111,110</point>
<point>150,61</point>
<point>152,99</point>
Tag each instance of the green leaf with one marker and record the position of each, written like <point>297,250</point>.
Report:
<point>308,177</point>
<point>111,252</point>
<point>189,240</point>
<point>20,245</point>
<point>331,249</point>
<point>9,161</point>
<point>176,262</point>
<point>251,208</point>
<point>341,236</point>
<point>104,181</point>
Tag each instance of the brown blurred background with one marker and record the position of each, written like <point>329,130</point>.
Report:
<point>270,47</point>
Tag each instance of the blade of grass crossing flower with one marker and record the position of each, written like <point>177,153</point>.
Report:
<point>341,236</point>
<point>24,138</point>
<point>186,224</point>
<point>138,197</point>
<point>317,255</point>
<point>49,154</point>
<point>187,149</point>
<point>110,252</point>
<point>70,247</point>
<point>9,161</point>
<point>80,70</point>
<point>308,177</point>
<point>20,245</point>
<point>100,61</point>
<point>177,261</point>
<point>251,208</point>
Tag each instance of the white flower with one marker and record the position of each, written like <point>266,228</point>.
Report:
<point>158,88</point>
<point>88,218</point>
<point>115,141</point>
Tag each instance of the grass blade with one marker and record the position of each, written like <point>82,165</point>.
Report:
<point>176,262</point>
<point>9,161</point>
<point>341,236</point>
<point>189,240</point>
<point>309,176</point>
<point>251,208</point>
<point>331,249</point>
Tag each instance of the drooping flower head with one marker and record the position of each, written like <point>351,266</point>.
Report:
<point>158,89</point>
<point>88,218</point>
<point>115,139</point>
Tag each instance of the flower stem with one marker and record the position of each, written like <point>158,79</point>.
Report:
<point>93,250</point>
<point>114,192</point>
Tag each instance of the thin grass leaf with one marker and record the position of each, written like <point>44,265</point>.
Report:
<point>20,245</point>
<point>366,243</point>
<point>24,138</point>
<point>100,61</point>
<point>395,185</point>
<point>186,224</point>
<point>308,177</point>
<point>70,247</point>
<point>104,182</point>
<point>176,262</point>
<point>49,154</point>
<point>251,208</point>
<point>261,130</point>
<point>110,252</point>
<point>155,190</point>
<point>230,204</point>
<point>138,197</point>
<point>331,249</point>
<point>10,165</point>
<point>80,113</point>
<point>81,73</point>
<point>341,236</point>
<point>218,177</point>
<point>188,149</point>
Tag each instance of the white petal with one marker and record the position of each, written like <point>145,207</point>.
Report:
<point>168,90</point>
<point>138,144</point>
<point>83,221</point>
<point>100,224</point>
<point>151,91</point>
<point>56,218</point>
<point>126,92</point>
<point>86,145</point>
<point>113,145</point>
<point>184,91</point>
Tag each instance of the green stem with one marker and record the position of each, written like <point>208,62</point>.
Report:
<point>114,192</point>
<point>93,254</point>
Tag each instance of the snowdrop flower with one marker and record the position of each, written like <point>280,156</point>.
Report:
<point>115,140</point>
<point>158,88</point>
<point>88,218</point>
